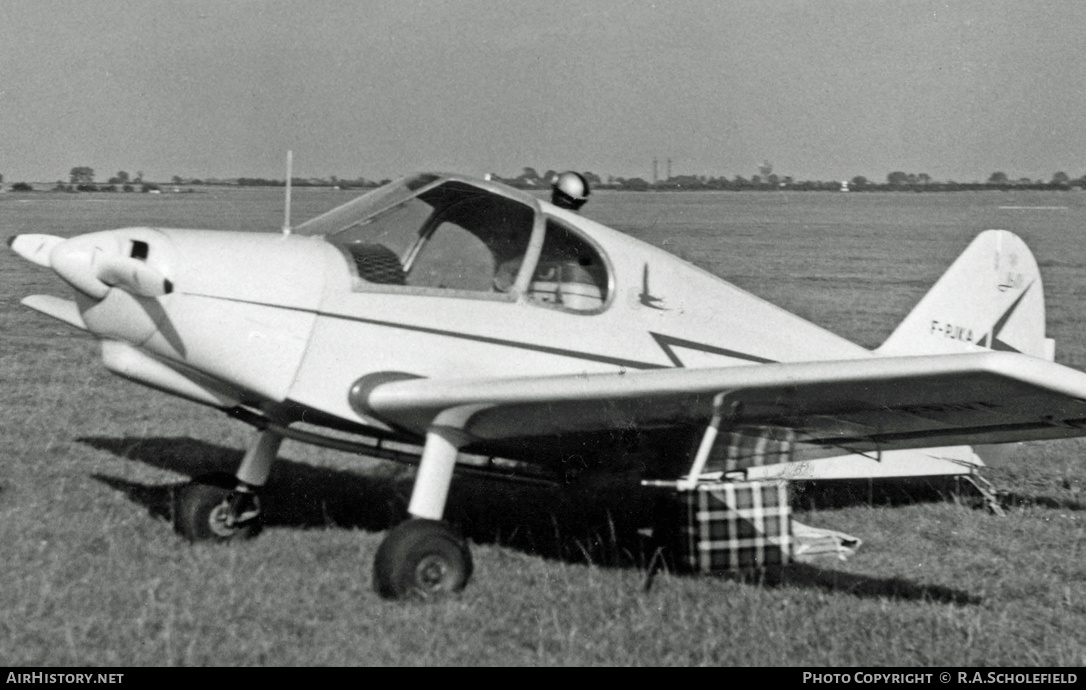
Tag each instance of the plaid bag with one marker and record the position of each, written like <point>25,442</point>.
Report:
<point>734,526</point>
<point>752,446</point>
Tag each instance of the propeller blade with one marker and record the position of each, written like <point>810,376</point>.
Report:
<point>96,262</point>
<point>133,275</point>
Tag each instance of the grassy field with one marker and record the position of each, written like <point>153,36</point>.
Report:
<point>93,574</point>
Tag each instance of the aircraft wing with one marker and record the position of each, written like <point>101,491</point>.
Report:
<point>861,404</point>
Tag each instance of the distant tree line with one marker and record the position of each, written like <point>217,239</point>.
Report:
<point>335,182</point>
<point>896,181</point>
<point>901,181</point>
<point>81,179</point>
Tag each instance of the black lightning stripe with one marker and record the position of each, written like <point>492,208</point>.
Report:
<point>993,335</point>
<point>666,342</point>
<point>577,354</point>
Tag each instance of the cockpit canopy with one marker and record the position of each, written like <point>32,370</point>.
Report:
<point>465,237</point>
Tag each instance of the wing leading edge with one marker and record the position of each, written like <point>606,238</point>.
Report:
<point>863,404</point>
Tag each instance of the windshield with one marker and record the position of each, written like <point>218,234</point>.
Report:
<point>365,206</point>
<point>432,232</point>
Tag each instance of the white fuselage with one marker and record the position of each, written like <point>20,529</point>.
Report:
<point>282,323</point>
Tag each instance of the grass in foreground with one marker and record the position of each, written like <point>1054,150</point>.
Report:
<point>94,575</point>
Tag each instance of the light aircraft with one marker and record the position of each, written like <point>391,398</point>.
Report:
<point>459,319</point>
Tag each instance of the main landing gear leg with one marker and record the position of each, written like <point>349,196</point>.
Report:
<point>225,507</point>
<point>425,556</point>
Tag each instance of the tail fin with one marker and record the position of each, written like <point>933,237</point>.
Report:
<point>990,298</point>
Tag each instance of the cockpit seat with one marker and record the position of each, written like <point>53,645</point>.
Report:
<point>378,264</point>
<point>566,283</point>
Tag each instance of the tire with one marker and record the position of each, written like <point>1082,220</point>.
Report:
<point>201,508</point>
<point>421,559</point>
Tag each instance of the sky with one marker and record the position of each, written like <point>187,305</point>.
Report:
<point>822,89</point>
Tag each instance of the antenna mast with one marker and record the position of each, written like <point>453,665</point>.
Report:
<point>286,209</point>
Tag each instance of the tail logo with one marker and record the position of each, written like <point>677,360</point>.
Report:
<point>1012,281</point>
<point>991,339</point>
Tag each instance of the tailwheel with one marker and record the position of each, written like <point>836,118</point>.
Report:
<point>421,559</point>
<point>210,508</point>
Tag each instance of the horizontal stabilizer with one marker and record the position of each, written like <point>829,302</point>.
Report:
<point>891,464</point>
<point>61,309</point>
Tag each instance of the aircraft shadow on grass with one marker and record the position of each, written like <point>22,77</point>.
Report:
<point>590,522</point>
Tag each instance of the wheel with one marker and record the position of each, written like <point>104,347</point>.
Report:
<point>203,510</point>
<point>421,559</point>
